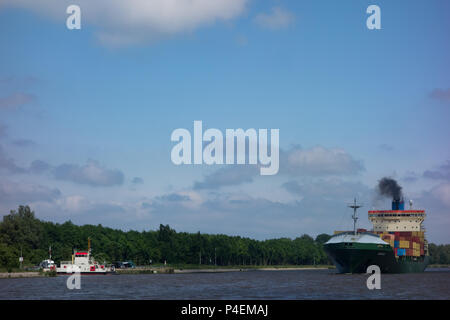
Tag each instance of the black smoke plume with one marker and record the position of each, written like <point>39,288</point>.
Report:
<point>388,187</point>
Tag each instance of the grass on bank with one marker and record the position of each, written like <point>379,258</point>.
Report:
<point>184,266</point>
<point>438,266</point>
<point>16,270</point>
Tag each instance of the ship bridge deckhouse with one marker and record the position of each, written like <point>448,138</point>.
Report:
<point>397,219</point>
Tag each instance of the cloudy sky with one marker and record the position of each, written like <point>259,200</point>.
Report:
<point>86,115</point>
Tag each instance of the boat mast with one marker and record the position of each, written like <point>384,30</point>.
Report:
<point>89,249</point>
<point>354,206</point>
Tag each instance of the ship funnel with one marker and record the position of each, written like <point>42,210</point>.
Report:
<point>398,204</point>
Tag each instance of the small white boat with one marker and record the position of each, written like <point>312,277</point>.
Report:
<point>84,263</point>
<point>47,265</point>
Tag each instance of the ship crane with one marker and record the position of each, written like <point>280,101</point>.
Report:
<point>354,206</point>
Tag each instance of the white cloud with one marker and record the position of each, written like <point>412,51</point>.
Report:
<point>74,203</point>
<point>319,161</point>
<point>81,205</point>
<point>228,176</point>
<point>332,188</point>
<point>8,164</point>
<point>442,192</point>
<point>84,210</point>
<point>16,100</point>
<point>91,174</point>
<point>13,194</point>
<point>314,162</point>
<point>133,21</point>
<point>183,199</point>
<point>442,172</point>
<point>23,143</point>
<point>278,18</point>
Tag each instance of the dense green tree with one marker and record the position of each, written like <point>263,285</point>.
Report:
<point>322,238</point>
<point>21,231</point>
<point>440,254</point>
<point>8,256</point>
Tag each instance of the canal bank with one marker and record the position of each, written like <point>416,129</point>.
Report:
<point>7,275</point>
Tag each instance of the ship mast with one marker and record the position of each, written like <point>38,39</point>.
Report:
<point>354,206</point>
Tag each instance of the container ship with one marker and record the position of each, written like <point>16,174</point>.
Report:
<point>396,244</point>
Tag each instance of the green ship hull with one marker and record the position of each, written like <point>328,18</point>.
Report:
<point>357,257</point>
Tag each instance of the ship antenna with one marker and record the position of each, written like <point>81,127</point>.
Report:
<point>354,206</point>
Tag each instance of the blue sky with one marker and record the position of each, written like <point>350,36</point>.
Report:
<point>97,106</point>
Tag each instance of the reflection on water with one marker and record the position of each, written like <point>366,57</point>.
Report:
<point>306,284</point>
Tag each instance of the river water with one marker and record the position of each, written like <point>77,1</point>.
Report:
<point>289,284</point>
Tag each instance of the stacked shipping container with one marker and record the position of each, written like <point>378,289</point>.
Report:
<point>409,243</point>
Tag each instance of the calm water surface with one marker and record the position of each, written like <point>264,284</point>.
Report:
<point>302,284</point>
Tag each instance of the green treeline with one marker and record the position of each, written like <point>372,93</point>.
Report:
<point>440,254</point>
<point>20,232</point>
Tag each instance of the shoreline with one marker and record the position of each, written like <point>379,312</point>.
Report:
<point>11,275</point>
<point>219,270</point>
<point>170,270</point>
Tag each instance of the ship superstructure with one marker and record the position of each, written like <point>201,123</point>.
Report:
<point>398,219</point>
